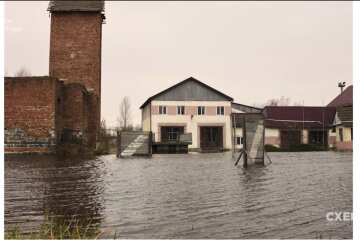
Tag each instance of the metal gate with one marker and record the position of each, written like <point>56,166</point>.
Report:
<point>133,143</point>
<point>253,136</point>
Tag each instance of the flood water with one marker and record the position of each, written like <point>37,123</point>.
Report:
<point>186,196</point>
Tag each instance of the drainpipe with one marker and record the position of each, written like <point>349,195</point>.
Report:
<point>150,118</point>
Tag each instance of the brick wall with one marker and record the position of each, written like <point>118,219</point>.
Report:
<point>345,145</point>
<point>75,53</point>
<point>74,113</point>
<point>31,124</point>
<point>93,123</point>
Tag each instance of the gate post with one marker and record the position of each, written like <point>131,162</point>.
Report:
<point>244,144</point>
<point>150,144</point>
<point>118,144</point>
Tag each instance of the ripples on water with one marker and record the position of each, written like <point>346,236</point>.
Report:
<point>186,196</point>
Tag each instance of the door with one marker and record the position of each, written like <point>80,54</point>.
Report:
<point>211,137</point>
<point>318,138</point>
<point>290,139</point>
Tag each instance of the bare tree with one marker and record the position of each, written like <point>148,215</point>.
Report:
<point>23,72</point>
<point>103,125</point>
<point>124,118</point>
<point>297,103</point>
<point>282,101</point>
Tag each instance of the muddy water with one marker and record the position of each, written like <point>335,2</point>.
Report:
<point>186,196</point>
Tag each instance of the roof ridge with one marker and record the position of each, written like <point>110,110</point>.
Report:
<point>182,82</point>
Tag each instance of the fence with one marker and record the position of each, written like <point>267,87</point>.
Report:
<point>133,143</point>
<point>172,137</point>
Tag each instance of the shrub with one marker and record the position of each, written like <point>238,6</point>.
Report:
<point>271,148</point>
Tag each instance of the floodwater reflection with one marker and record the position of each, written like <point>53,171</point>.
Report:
<point>38,186</point>
<point>186,196</point>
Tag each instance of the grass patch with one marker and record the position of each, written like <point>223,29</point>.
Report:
<point>298,148</point>
<point>55,228</point>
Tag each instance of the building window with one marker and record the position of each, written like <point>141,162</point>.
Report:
<point>220,110</point>
<point>333,130</point>
<point>201,110</point>
<point>162,110</point>
<point>239,140</point>
<point>181,110</point>
<point>341,136</point>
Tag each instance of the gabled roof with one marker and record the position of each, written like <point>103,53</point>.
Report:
<point>345,115</point>
<point>343,99</point>
<point>78,6</point>
<point>190,79</point>
<point>294,116</point>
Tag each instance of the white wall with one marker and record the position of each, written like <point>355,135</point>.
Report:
<point>193,121</point>
<point>145,124</point>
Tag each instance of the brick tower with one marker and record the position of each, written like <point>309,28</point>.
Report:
<point>75,58</point>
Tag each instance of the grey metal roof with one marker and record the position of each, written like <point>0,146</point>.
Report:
<point>189,89</point>
<point>83,6</point>
<point>246,108</point>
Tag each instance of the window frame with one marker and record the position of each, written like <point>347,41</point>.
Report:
<point>239,140</point>
<point>341,135</point>
<point>220,110</point>
<point>202,112</point>
<point>180,108</point>
<point>161,110</point>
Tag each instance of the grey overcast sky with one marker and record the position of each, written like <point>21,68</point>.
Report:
<point>251,51</point>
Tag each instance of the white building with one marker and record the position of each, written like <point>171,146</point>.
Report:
<point>190,107</point>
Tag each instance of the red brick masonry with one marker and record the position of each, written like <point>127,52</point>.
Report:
<point>43,111</point>
<point>346,145</point>
<point>30,119</point>
<point>75,57</point>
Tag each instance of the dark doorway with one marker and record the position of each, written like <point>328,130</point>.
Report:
<point>171,133</point>
<point>290,139</point>
<point>318,138</point>
<point>211,137</point>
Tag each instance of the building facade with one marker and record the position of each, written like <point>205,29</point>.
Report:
<point>214,121</point>
<point>290,126</point>
<point>190,107</point>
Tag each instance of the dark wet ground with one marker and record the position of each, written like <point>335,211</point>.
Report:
<point>186,196</point>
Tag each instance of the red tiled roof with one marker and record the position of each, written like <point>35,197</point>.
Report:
<point>343,99</point>
<point>294,116</point>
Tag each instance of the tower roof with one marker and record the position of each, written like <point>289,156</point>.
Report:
<point>76,6</point>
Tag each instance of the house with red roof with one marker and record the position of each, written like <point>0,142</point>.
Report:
<point>290,126</point>
<point>343,119</point>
